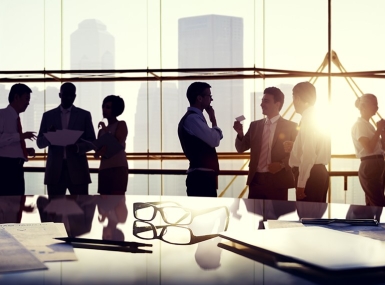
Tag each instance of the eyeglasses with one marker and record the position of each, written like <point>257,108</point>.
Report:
<point>173,214</point>
<point>172,234</point>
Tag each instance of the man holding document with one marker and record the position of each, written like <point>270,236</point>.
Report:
<point>67,165</point>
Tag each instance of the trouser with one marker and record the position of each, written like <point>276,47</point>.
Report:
<point>65,183</point>
<point>317,185</point>
<point>11,176</point>
<point>371,176</point>
<point>202,183</point>
<point>261,188</point>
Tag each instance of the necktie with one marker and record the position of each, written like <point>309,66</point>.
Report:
<point>64,118</point>
<point>265,144</point>
<point>22,142</point>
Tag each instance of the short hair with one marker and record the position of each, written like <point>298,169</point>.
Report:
<point>277,94</point>
<point>117,104</point>
<point>306,91</point>
<point>364,100</point>
<point>68,87</point>
<point>19,89</point>
<point>196,89</point>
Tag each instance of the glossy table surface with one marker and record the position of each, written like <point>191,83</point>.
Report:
<point>183,231</point>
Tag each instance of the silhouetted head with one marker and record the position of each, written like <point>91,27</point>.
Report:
<point>113,106</point>
<point>367,104</point>
<point>304,96</point>
<point>199,95</point>
<point>272,101</point>
<point>19,97</point>
<point>67,94</point>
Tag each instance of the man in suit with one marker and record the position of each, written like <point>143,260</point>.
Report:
<point>67,167</point>
<point>269,173</point>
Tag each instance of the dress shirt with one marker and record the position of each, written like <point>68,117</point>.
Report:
<point>196,125</point>
<point>9,136</point>
<point>311,146</point>
<point>65,118</point>
<point>273,126</point>
<point>363,128</point>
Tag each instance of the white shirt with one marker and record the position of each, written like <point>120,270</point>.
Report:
<point>196,125</point>
<point>65,119</point>
<point>273,126</point>
<point>311,146</point>
<point>363,128</point>
<point>9,136</point>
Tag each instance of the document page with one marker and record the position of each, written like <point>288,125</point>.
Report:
<point>15,257</point>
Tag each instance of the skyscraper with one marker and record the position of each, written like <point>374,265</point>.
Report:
<point>214,41</point>
<point>92,47</point>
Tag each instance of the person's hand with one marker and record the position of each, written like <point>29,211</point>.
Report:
<point>210,111</point>
<point>31,151</point>
<point>274,167</point>
<point>238,127</point>
<point>300,193</point>
<point>28,135</point>
<point>72,148</point>
<point>288,146</point>
<point>381,125</point>
<point>100,152</point>
<point>102,126</point>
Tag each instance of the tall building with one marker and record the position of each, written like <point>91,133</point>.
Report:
<point>214,41</point>
<point>92,47</point>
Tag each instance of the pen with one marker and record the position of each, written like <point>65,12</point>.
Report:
<point>98,241</point>
<point>352,222</point>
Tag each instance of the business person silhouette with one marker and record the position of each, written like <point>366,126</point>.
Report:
<point>67,167</point>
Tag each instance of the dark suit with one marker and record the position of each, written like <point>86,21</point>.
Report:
<point>75,166</point>
<point>274,183</point>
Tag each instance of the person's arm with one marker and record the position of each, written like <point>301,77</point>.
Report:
<point>242,142</point>
<point>88,135</point>
<point>370,144</point>
<point>7,138</point>
<point>309,155</point>
<point>42,141</point>
<point>196,126</point>
<point>121,132</point>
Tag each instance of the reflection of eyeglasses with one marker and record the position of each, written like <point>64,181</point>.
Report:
<point>171,234</point>
<point>172,214</point>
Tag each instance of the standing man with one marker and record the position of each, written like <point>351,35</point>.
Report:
<point>13,151</point>
<point>269,173</point>
<point>67,167</point>
<point>311,150</point>
<point>198,142</point>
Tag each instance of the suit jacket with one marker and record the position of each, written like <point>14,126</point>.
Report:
<point>77,162</point>
<point>285,131</point>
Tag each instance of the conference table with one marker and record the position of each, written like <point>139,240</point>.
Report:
<point>188,241</point>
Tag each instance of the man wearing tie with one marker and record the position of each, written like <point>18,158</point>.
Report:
<point>67,167</point>
<point>269,173</point>
<point>13,150</point>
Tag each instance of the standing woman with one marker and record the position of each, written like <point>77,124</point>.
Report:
<point>113,171</point>
<point>311,149</point>
<point>368,147</point>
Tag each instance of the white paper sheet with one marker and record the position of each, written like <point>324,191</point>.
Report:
<point>63,137</point>
<point>15,257</point>
<point>39,239</point>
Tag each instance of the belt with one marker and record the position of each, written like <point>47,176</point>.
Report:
<point>372,157</point>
